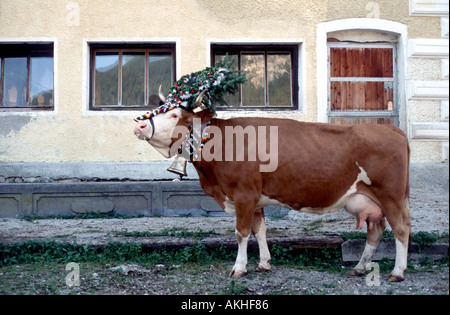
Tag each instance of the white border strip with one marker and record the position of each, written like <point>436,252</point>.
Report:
<point>428,48</point>
<point>428,7</point>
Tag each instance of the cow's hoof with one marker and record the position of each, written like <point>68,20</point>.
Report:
<point>238,273</point>
<point>357,273</point>
<point>394,278</point>
<point>262,269</point>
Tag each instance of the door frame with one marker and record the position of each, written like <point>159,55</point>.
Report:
<point>366,24</point>
<point>394,114</point>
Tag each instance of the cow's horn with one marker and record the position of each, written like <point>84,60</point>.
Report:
<point>161,96</point>
<point>199,99</point>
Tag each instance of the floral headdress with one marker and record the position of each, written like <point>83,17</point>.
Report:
<point>212,83</point>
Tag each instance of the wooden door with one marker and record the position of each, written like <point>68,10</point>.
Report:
<point>362,84</point>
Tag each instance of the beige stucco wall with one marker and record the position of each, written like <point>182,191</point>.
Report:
<point>73,133</point>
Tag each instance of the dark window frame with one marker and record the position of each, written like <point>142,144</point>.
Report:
<point>126,48</point>
<point>268,48</point>
<point>25,50</point>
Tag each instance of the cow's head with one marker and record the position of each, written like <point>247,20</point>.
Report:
<point>157,127</point>
<point>205,87</point>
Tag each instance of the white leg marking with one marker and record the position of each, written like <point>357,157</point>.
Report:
<point>366,257</point>
<point>401,255</point>
<point>241,260</point>
<point>264,254</point>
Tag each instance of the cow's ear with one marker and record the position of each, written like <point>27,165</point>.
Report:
<point>186,118</point>
<point>205,115</point>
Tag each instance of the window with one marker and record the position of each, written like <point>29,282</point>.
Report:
<point>362,83</point>
<point>26,76</point>
<point>128,76</point>
<point>272,75</point>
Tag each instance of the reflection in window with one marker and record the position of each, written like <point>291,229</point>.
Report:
<point>129,76</point>
<point>106,78</point>
<point>253,93</point>
<point>279,79</point>
<point>159,73</point>
<point>133,78</point>
<point>26,75</point>
<point>41,80</point>
<point>15,81</point>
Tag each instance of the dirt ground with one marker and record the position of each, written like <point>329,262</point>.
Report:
<point>126,278</point>
<point>192,279</point>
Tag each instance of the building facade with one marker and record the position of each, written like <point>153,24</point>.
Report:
<point>74,74</point>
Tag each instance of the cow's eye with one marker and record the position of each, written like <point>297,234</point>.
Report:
<point>174,116</point>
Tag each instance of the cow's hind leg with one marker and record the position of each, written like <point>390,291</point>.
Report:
<point>259,230</point>
<point>373,238</point>
<point>399,219</point>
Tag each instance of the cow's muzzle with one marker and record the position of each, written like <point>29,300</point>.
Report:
<point>141,127</point>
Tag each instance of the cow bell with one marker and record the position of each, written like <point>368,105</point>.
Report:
<point>178,166</point>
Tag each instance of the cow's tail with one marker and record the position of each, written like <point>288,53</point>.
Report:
<point>407,190</point>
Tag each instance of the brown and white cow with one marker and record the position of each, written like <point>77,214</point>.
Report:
<point>320,168</point>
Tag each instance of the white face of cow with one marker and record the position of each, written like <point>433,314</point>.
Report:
<point>164,125</point>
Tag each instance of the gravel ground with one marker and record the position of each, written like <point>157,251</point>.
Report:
<point>95,231</point>
<point>283,280</point>
<point>194,279</point>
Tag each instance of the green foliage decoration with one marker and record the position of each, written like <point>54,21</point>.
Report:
<point>215,82</point>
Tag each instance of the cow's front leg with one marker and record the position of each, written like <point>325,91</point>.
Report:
<point>240,266</point>
<point>244,219</point>
<point>259,230</point>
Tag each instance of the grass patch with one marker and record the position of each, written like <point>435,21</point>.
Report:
<point>420,238</point>
<point>319,259</point>
<point>362,235</point>
<point>330,259</point>
<point>35,252</point>
<point>173,232</point>
<point>234,289</point>
<point>423,239</point>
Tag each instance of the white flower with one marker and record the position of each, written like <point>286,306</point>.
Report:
<point>185,96</point>
<point>219,80</point>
